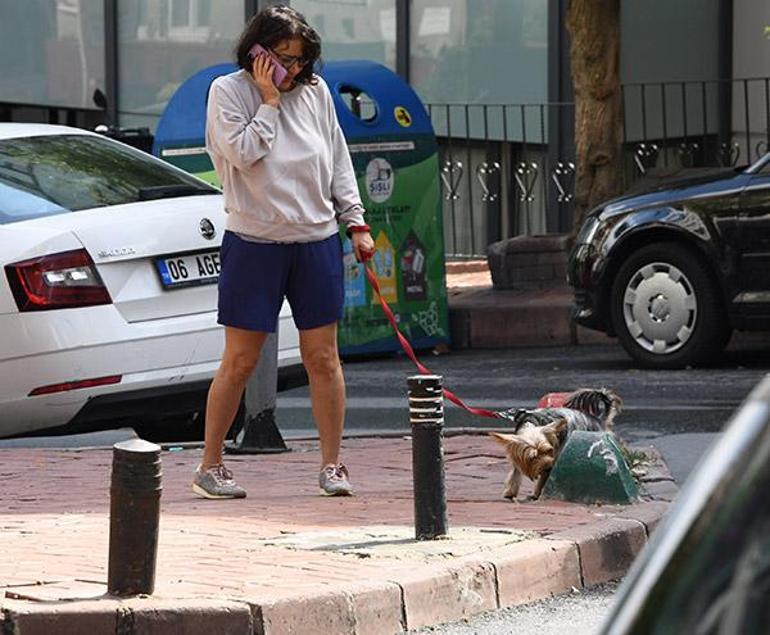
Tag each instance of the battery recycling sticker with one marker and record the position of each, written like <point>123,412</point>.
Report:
<point>413,279</point>
<point>402,116</point>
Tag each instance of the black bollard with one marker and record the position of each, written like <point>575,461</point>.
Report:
<point>426,414</point>
<point>134,516</point>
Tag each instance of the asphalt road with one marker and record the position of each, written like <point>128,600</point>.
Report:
<point>655,402</point>
<point>580,612</point>
<point>679,412</point>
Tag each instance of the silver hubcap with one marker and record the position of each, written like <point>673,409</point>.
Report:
<point>660,308</point>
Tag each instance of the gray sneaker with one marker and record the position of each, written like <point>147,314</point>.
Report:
<point>333,481</point>
<point>216,482</point>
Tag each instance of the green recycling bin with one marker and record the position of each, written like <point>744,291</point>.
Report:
<point>395,156</point>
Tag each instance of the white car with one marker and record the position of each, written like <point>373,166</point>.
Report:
<point>107,294</point>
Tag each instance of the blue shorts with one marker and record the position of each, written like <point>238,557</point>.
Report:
<point>255,277</point>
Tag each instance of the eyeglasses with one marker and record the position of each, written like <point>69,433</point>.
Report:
<point>287,61</point>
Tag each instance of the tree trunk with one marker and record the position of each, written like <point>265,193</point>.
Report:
<point>594,28</point>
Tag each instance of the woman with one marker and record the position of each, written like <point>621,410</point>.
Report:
<point>288,181</point>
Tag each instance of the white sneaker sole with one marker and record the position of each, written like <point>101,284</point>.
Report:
<point>197,489</point>
<point>323,492</point>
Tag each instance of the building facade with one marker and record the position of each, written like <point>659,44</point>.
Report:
<point>494,75</point>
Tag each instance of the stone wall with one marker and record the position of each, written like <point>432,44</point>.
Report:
<point>529,263</point>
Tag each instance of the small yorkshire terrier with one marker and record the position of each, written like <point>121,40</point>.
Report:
<point>540,434</point>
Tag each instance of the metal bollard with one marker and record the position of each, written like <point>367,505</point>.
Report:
<point>426,414</point>
<point>134,516</point>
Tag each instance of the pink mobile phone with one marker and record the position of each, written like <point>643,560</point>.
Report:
<point>279,72</point>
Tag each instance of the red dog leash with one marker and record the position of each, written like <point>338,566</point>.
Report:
<point>480,412</point>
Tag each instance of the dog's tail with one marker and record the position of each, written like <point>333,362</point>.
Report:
<point>602,403</point>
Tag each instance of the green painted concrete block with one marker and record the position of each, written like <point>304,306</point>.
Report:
<point>591,469</point>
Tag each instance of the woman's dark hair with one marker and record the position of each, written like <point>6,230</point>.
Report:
<point>273,25</point>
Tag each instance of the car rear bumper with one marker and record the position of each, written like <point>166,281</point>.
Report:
<point>147,407</point>
<point>24,414</point>
<point>53,347</point>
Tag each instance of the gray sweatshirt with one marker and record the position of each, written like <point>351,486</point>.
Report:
<point>286,172</point>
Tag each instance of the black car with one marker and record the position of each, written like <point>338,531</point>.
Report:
<point>672,270</point>
<point>706,568</point>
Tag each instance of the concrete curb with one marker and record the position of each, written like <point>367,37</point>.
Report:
<point>126,617</point>
<point>517,574</point>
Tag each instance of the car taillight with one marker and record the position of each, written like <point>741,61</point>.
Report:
<point>57,281</point>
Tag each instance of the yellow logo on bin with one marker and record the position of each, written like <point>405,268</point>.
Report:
<point>402,116</point>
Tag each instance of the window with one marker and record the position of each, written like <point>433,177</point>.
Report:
<point>479,51</point>
<point>48,175</point>
<point>161,44</point>
<point>348,26</point>
<point>189,20</point>
<point>51,53</point>
<point>353,29</point>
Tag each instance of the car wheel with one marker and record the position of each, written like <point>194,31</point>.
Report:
<point>665,308</point>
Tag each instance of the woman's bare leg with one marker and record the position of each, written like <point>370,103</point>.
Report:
<point>327,387</point>
<point>242,348</point>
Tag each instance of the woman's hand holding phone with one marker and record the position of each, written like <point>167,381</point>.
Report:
<point>262,70</point>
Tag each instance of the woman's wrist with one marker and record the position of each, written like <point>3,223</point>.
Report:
<point>354,229</point>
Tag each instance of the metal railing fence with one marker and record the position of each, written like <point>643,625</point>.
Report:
<point>498,177</point>
<point>509,169</point>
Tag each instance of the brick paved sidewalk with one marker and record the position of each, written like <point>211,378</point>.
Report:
<point>285,559</point>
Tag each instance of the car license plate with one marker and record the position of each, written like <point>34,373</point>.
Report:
<point>184,270</point>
